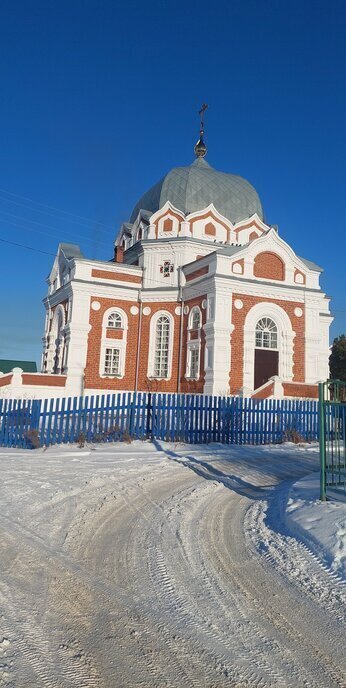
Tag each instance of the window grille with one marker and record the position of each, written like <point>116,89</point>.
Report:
<point>266,334</point>
<point>115,321</point>
<point>161,367</point>
<point>112,362</point>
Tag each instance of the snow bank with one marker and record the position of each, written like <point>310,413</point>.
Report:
<point>321,525</point>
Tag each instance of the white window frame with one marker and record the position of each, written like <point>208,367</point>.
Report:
<point>112,348</point>
<point>286,337</point>
<point>194,345</point>
<point>268,333</point>
<point>110,343</point>
<point>152,345</point>
<point>194,310</point>
<point>117,313</point>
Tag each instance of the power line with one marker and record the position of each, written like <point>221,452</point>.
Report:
<point>53,214</point>
<point>54,208</point>
<point>29,248</point>
<point>42,224</point>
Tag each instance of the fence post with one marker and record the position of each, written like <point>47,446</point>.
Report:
<point>34,422</point>
<point>322,440</point>
<point>149,425</point>
<point>132,412</point>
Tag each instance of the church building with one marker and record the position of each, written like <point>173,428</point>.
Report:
<point>202,296</point>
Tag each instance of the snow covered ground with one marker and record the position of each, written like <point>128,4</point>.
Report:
<point>322,525</point>
<point>160,565</point>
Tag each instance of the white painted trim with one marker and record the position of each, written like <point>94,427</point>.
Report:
<point>194,309</point>
<point>193,345</point>
<point>112,343</point>
<point>152,345</point>
<point>285,341</point>
<point>55,340</point>
<point>115,309</point>
<point>161,212</point>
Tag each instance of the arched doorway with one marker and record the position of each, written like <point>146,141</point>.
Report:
<point>266,351</point>
<point>284,347</point>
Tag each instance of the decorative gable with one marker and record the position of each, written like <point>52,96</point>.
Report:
<point>249,230</point>
<point>165,222</point>
<point>209,224</point>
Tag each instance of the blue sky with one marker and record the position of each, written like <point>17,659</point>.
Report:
<point>99,99</point>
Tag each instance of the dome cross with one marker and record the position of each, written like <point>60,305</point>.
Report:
<point>200,147</point>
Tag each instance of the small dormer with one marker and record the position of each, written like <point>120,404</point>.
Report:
<point>209,225</point>
<point>166,222</point>
<point>249,230</point>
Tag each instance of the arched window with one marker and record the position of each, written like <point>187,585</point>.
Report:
<point>115,321</point>
<point>162,339</point>
<point>54,355</point>
<point>266,334</point>
<point>195,318</point>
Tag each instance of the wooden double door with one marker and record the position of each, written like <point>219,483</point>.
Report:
<point>266,365</point>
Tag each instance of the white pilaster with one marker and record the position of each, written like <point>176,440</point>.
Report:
<point>76,333</point>
<point>218,330</point>
<point>317,323</point>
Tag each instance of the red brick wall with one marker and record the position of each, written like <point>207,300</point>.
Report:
<point>44,379</point>
<point>121,276</point>
<point>5,380</point>
<point>92,377</point>
<point>197,273</point>
<point>264,393</point>
<point>238,319</point>
<point>296,390</point>
<point>269,266</point>
<point>111,333</point>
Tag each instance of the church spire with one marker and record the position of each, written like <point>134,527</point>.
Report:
<point>200,147</point>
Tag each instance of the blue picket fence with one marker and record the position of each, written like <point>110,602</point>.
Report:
<point>171,417</point>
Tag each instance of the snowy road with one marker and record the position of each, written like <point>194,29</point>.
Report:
<point>161,566</point>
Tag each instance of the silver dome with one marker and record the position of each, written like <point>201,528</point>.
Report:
<point>194,187</point>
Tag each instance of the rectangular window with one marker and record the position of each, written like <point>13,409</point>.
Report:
<point>194,364</point>
<point>112,362</point>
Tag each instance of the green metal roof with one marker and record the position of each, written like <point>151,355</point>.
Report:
<point>7,366</point>
<point>194,187</point>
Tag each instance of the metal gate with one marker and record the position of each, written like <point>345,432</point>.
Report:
<point>332,419</point>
